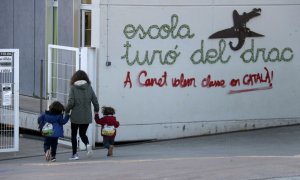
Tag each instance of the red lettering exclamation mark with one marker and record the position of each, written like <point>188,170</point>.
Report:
<point>272,74</point>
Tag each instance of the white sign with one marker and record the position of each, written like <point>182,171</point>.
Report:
<point>6,62</point>
<point>6,94</point>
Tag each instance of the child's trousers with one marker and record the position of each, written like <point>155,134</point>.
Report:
<point>51,142</point>
<point>108,142</point>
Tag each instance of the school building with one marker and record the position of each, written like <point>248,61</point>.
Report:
<point>173,68</point>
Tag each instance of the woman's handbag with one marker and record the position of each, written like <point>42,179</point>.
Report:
<point>108,130</point>
<point>47,129</point>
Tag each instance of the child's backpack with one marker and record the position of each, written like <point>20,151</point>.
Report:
<point>108,130</point>
<point>47,129</point>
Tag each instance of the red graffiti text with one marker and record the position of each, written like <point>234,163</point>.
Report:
<point>209,82</point>
<point>183,82</point>
<point>143,80</point>
<point>253,79</point>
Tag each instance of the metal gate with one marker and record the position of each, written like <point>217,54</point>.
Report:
<point>63,61</point>
<point>9,100</point>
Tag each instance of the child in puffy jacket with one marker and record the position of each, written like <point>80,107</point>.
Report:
<point>108,124</point>
<point>54,118</point>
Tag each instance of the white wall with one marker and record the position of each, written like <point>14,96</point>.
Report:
<point>167,112</point>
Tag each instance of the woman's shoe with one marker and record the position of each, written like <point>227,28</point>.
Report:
<point>89,151</point>
<point>74,157</point>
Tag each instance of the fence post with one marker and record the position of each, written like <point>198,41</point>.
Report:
<point>41,85</point>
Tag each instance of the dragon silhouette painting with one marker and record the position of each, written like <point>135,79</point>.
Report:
<point>239,29</point>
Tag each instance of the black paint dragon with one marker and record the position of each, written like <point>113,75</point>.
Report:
<point>239,29</point>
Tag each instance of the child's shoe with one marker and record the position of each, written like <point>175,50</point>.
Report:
<point>89,151</point>
<point>48,155</point>
<point>53,159</point>
<point>110,150</point>
<point>74,157</point>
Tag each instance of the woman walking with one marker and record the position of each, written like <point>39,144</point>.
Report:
<point>81,96</point>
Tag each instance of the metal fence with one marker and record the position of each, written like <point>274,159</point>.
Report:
<point>9,100</point>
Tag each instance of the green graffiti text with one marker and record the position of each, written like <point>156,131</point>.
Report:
<point>168,58</point>
<point>163,32</point>
<point>211,56</point>
<point>273,55</point>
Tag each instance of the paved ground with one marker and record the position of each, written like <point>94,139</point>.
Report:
<point>32,104</point>
<point>253,155</point>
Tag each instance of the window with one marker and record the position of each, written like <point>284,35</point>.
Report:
<point>86,1</point>
<point>87,28</point>
<point>86,25</point>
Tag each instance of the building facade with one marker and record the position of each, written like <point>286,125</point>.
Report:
<point>31,25</point>
<point>171,68</point>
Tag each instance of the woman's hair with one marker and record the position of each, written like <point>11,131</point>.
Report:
<point>56,107</point>
<point>107,111</point>
<point>79,75</point>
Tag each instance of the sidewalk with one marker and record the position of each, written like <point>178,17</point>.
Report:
<point>272,153</point>
<point>30,146</point>
<point>31,104</point>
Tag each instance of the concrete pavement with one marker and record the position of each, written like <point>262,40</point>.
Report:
<point>253,155</point>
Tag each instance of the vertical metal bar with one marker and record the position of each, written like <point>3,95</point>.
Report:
<point>55,70</point>
<point>1,118</point>
<point>49,92</point>
<point>65,84</point>
<point>41,85</point>
<point>16,99</point>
